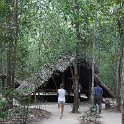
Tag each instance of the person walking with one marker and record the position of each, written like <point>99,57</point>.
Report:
<point>98,92</point>
<point>61,99</point>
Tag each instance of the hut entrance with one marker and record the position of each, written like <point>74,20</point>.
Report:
<point>58,77</point>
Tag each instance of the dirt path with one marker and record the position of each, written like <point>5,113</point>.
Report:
<point>70,118</point>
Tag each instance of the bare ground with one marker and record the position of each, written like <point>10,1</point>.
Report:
<point>106,116</point>
<point>49,114</point>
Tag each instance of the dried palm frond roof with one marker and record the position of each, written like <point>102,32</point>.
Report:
<point>2,75</point>
<point>37,79</point>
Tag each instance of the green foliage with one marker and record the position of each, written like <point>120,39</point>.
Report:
<point>93,109</point>
<point>90,116</point>
<point>3,108</point>
<point>9,92</point>
<point>3,104</point>
<point>46,33</point>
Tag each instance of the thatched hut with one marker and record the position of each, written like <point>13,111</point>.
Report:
<point>62,71</point>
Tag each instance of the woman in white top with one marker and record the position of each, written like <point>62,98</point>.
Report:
<point>61,99</point>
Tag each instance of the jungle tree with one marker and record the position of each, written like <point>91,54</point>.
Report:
<point>119,21</point>
<point>122,87</point>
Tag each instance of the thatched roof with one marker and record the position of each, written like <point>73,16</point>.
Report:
<point>29,85</point>
<point>109,92</point>
<point>2,75</point>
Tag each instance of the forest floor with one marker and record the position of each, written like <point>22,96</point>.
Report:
<point>23,115</point>
<point>48,113</point>
<point>106,116</point>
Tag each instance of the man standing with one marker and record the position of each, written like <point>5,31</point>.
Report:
<point>98,92</point>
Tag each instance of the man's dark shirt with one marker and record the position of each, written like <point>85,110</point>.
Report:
<point>98,91</point>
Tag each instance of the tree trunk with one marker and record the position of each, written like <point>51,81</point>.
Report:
<point>122,87</point>
<point>93,60</point>
<point>9,64</point>
<point>122,95</point>
<point>76,83</point>
<point>118,78</point>
<point>76,79</point>
<point>11,53</point>
<point>120,21</point>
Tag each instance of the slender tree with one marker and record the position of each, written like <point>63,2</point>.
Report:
<point>93,59</point>
<point>12,40</point>
<point>76,75</point>
<point>122,87</point>
<point>120,21</point>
